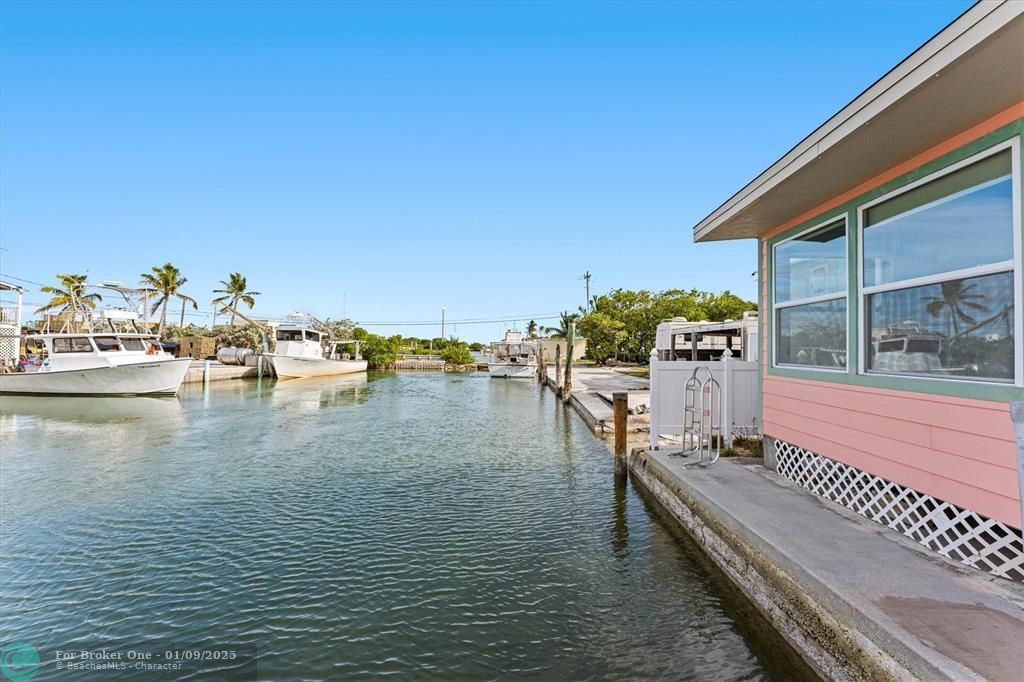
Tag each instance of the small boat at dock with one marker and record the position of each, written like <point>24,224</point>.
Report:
<point>301,352</point>
<point>94,364</point>
<point>513,358</point>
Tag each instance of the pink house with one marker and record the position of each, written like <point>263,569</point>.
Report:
<point>891,295</point>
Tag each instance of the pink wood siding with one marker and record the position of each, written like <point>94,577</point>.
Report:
<point>957,449</point>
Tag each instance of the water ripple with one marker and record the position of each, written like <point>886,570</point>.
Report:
<point>412,526</point>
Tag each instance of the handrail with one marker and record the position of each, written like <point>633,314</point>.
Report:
<point>702,424</point>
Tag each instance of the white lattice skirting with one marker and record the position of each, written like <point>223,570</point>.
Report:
<point>9,344</point>
<point>951,531</point>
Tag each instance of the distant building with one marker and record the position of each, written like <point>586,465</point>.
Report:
<point>891,294</point>
<point>579,347</point>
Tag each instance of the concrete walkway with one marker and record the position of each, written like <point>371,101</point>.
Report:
<point>592,389</point>
<point>858,600</point>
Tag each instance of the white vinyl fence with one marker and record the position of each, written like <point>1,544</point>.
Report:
<point>739,392</point>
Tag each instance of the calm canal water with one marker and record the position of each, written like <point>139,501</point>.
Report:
<point>413,525</point>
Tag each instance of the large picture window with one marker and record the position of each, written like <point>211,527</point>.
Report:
<point>938,276</point>
<point>810,277</point>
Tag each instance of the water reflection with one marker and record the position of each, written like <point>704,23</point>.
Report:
<point>359,527</point>
<point>620,527</point>
<point>318,393</point>
<point>93,410</point>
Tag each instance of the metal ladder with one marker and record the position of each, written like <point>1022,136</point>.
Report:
<point>702,418</point>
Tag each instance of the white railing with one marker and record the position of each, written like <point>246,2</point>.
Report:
<point>740,399</point>
<point>9,315</point>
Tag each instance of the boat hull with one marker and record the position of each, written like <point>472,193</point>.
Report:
<point>288,367</point>
<point>162,377</point>
<point>505,370</point>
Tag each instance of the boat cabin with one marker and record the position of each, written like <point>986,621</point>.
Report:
<point>514,350</point>
<point>50,352</point>
<point>298,341</point>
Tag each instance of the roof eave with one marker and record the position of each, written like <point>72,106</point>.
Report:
<point>965,33</point>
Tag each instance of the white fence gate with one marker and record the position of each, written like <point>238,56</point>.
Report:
<point>740,398</point>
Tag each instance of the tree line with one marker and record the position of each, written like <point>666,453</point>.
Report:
<point>622,324</point>
<point>71,298</point>
<point>164,282</point>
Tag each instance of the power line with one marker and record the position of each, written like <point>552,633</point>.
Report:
<point>511,318</point>
<point>367,323</point>
<point>539,315</point>
<point>20,279</point>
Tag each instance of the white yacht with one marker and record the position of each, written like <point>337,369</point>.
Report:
<point>303,352</point>
<point>513,358</point>
<point>105,363</point>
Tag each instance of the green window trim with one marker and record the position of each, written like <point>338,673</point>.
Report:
<point>964,388</point>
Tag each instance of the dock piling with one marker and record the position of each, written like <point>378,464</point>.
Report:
<point>620,407</point>
<point>558,369</point>
<point>570,340</point>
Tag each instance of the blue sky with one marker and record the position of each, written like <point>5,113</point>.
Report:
<point>480,156</point>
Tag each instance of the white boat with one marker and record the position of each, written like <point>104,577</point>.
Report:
<point>301,353</point>
<point>94,364</point>
<point>513,358</point>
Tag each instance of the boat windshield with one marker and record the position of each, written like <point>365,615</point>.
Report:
<point>313,336</point>
<point>107,343</point>
<point>72,344</point>
<point>132,343</point>
<point>923,346</point>
<point>289,335</point>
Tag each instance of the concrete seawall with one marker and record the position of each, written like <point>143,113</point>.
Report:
<point>857,601</point>
<point>221,372</point>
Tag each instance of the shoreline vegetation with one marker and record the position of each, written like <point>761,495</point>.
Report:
<point>619,326</point>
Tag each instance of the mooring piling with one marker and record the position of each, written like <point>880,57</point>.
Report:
<point>558,369</point>
<point>620,407</point>
<point>570,340</point>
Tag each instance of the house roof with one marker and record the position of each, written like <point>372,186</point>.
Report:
<point>967,73</point>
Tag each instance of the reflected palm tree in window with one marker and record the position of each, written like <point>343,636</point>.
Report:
<point>956,299</point>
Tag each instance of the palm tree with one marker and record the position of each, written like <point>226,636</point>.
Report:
<point>185,299</point>
<point>955,298</point>
<point>562,330</point>
<point>235,290</point>
<point>69,295</point>
<point>164,280</point>
<point>531,329</point>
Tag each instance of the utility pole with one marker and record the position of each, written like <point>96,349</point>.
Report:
<point>442,322</point>
<point>586,280</point>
